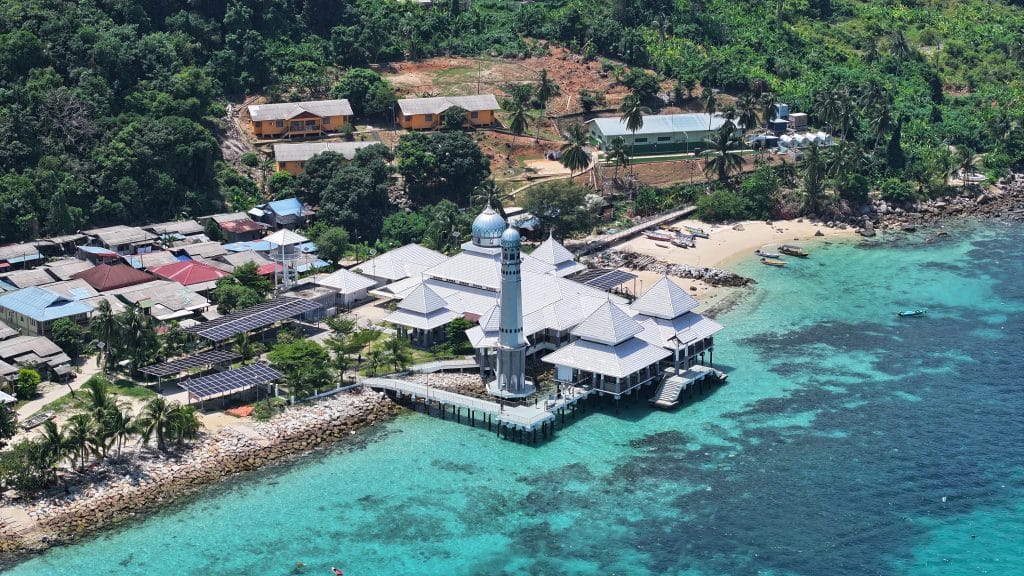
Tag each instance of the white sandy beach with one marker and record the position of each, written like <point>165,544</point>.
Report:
<point>725,246</point>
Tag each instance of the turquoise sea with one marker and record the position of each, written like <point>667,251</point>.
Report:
<point>847,441</point>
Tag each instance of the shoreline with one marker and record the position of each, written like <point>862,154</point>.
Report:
<point>147,484</point>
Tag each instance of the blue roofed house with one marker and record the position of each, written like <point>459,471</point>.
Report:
<point>286,213</point>
<point>32,310</point>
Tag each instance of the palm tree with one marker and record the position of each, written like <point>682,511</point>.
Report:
<point>721,156</point>
<point>574,154</point>
<point>397,349</point>
<point>518,121</point>
<point>79,435</point>
<point>54,443</point>
<point>489,193</point>
<point>156,418</point>
<point>120,425</point>
<point>767,103</point>
<point>709,102</point>
<point>633,116</point>
<point>245,347</point>
<point>746,111</point>
<point>965,162</point>
<point>814,178</point>
<point>546,89</point>
<point>104,329</point>
<point>375,358</point>
<point>183,424</point>
<point>99,397</point>
<point>616,153</point>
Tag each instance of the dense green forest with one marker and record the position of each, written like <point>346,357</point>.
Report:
<point>109,109</point>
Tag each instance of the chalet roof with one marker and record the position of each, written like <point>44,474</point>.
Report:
<point>286,110</point>
<point>422,309</point>
<point>665,300</point>
<point>436,105</point>
<point>189,273</point>
<point>609,324</point>
<point>109,277</point>
<point>346,281</point>
<point>306,150</point>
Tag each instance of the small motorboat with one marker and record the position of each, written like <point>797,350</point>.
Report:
<point>698,232</point>
<point>772,262</point>
<point>659,235</point>
<point>660,245</point>
<point>791,250</point>
<point>914,312</point>
<point>683,241</point>
<point>336,571</point>
<point>767,254</point>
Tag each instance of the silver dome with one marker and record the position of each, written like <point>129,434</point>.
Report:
<point>488,227</point>
<point>510,237</point>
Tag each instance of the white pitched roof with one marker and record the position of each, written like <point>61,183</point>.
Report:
<point>422,300</point>
<point>665,300</point>
<point>439,104</point>
<point>345,281</point>
<point>688,328</point>
<point>300,152</point>
<point>609,324</point>
<point>404,262</point>
<point>616,361</point>
<point>421,321</point>
<point>285,238</point>
<point>286,110</point>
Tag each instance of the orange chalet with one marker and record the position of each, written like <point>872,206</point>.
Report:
<point>290,119</point>
<point>428,113</point>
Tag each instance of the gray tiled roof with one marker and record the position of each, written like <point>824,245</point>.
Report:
<point>616,361</point>
<point>345,281</point>
<point>665,300</point>
<point>436,105</point>
<point>286,110</point>
<point>422,300</point>
<point>609,324</point>
<point>302,152</point>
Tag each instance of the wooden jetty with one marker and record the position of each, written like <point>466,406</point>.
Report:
<point>515,422</point>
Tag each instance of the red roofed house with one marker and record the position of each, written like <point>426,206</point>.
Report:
<point>196,275</point>
<point>244,230</point>
<point>105,277</point>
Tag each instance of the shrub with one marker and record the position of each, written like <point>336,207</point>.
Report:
<point>266,409</point>
<point>896,190</point>
<point>250,159</point>
<point>721,205</point>
<point>27,383</point>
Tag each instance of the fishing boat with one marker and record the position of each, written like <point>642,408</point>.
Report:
<point>683,241</point>
<point>914,312</point>
<point>659,235</point>
<point>698,232</point>
<point>791,250</point>
<point>772,262</point>
<point>767,254</point>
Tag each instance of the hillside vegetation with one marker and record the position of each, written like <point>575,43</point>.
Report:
<point>109,110</point>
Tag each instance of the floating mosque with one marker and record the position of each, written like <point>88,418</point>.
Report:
<point>527,309</point>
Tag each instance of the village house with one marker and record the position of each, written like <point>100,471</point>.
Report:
<point>284,213</point>
<point>428,113</point>
<point>35,352</point>
<point>19,255</point>
<point>177,230</point>
<point>33,310</point>
<point>667,134</point>
<point>122,239</point>
<point>291,119</point>
<point>292,158</point>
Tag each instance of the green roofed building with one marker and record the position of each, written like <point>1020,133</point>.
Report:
<point>667,134</point>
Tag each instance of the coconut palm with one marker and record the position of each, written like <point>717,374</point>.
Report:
<point>80,434</point>
<point>104,329</point>
<point>489,193</point>
<point>183,424</point>
<point>546,90</point>
<point>633,111</point>
<point>120,425</point>
<point>746,111</point>
<point>156,419</point>
<point>709,102</point>
<point>245,347</point>
<point>767,102</point>
<point>965,163</point>
<point>721,157</point>
<point>54,444</point>
<point>518,121</point>
<point>616,154</point>
<point>814,178</point>
<point>397,350</point>
<point>574,153</point>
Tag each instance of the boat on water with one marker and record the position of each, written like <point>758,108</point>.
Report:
<point>698,232</point>
<point>791,250</point>
<point>659,235</point>
<point>767,254</point>
<point>773,262</point>
<point>914,312</point>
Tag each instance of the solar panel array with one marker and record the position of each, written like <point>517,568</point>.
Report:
<point>181,364</point>
<point>252,318</point>
<point>603,278</point>
<point>230,381</point>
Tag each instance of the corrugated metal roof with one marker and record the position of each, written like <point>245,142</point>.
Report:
<point>304,151</point>
<point>183,227</point>
<point>404,262</point>
<point>26,278</point>
<point>204,249</point>
<point>120,235</point>
<point>286,207</point>
<point>436,105</point>
<point>66,268</point>
<point>286,110</point>
<point>285,238</point>
<point>189,273</point>
<point>42,305</point>
<point>15,348</point>
<point>654,124</point>
<point>665,300</point>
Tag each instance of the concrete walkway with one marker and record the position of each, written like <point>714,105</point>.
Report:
<point>54,390</point>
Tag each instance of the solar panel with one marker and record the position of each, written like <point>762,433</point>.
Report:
<point>181,364</point>
<point>253,318</point>
<point>603,278</point>
<point>230,381</point>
